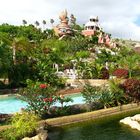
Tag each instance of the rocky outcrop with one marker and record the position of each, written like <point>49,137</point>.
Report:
<point>41,136</point>
<point>41,133</point>
<point>4,117</point>
<point>133,122</point>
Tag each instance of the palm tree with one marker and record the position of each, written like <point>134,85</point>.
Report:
<point>72,19</point>
<point>24,22</point>
<point>37,23</point>
<point>130,63</point>
<point>52,21</point>
<point>20,44</point>
<point>44,23</point>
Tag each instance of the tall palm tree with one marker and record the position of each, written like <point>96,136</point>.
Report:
<point>24,22</point>
<point>52,21</point>
<point>37,23</point>
<point>44,23</point>
<point>20,44</point>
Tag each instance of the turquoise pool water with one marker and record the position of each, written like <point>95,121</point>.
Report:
<point>12,104</point>
<point>77,99</point>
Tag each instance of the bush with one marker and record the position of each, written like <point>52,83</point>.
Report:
<point>90,94</point>
<point>39,96</point>
<point>106,97</point>
<point>132,89</point>
<point>121,73</point>
<point>117,91</point>
<point>2,85</point>
<point>22,125</point>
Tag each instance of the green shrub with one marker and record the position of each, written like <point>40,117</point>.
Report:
<point>39,96</point>
<point>117,91</point>
<point>2,85</point>
<point>90,93</point>
<point>106,97</point>
<point>22,125</point>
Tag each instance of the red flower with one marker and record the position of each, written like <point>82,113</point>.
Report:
<point>50,99</point>
<point>43,86</point>
<point>45,99</point>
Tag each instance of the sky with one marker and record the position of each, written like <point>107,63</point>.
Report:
<point>120,18</point>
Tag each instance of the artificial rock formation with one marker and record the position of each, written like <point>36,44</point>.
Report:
<point>41,133</point>
<point>133,122</point>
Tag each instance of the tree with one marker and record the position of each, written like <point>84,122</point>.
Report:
<point>52,21</point>
<point>130,62</point>
<point>117,91</point>
<point>44,23</point>
<point>24,22</point>
<point>37,23</point>
<point>5,59</point>
<point>72,19</point>
<point>90,94</point>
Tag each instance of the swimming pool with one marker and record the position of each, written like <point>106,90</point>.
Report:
<point>77,99</point>
<point>12,104</point>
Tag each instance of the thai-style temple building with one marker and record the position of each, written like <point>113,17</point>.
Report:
<point>91,27</point>
<point>63,29</point>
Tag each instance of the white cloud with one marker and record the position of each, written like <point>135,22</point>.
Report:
<point>117,17</point>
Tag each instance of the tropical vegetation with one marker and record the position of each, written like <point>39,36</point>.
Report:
<point>28,56</point>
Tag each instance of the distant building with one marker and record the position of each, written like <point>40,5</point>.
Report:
<point>63,29</point>
<point>91,27</point>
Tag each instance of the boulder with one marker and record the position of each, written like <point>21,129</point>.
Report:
<point>43,135</point>
<point>136,118</point>
<point>126,120</point>
<point>132,121</point>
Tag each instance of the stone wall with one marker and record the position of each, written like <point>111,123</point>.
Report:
<point>82,82</point>
<point>91,115</point>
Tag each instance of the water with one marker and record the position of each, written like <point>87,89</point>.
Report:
<point>12,104</point>
<point>107,128</point>
<point>77,99</point>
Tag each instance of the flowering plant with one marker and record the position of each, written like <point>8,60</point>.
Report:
<point>39,96</point>
<point>63,99</point>
<point>43,86</point>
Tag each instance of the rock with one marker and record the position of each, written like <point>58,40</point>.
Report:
<point>126,120</point>
<point>132,121</point>
<point>136,118</point>
<point>41,136</point>
<point>26,138</point>
<point>134,125</point>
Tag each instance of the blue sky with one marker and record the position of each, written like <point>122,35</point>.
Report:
<point>138,21</point>
<point>120,18</point>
